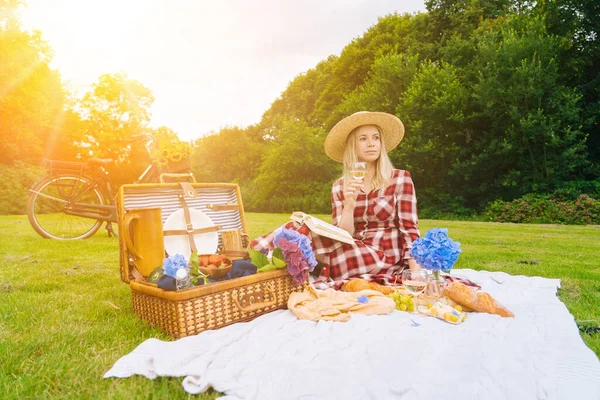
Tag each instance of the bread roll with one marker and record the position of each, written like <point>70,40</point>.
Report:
<point>477,301</point>
<point>356,285</point>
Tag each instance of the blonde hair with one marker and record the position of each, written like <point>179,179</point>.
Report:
<point>383,169</point>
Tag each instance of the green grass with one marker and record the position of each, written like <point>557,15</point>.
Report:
<point>65,316</point>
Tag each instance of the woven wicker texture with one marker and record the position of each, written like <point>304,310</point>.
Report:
<point>191,311</point>
<point>215,310</point>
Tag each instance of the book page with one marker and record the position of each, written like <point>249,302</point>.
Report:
<point>327,226</point>
<point>322,228</point>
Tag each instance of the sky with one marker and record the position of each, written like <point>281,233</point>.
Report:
<point>209,64</point>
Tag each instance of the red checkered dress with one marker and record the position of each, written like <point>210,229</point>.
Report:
<point>385,225</point>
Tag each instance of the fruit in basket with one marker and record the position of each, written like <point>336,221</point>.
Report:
<point>216,259</point>
<point>217,269</point>
<point>203,260</point>
<point>211,260</point>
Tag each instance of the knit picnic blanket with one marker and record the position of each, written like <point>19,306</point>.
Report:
<point>538,354</point>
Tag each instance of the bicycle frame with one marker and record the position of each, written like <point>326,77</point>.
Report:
<point>75,182</point>
<point>102,212</point>
<point>146,176</point>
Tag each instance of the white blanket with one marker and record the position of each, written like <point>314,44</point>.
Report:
<point>537,355</point>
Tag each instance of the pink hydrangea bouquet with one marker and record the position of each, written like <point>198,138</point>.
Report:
<point>292,250</point>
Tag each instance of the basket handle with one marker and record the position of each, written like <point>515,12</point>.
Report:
<point>255,306</point>
<point>129,218</point>
<point>248,240</point>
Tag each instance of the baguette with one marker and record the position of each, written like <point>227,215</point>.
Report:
<point>481,302</point>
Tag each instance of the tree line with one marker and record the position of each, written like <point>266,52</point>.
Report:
<point>500,99</point>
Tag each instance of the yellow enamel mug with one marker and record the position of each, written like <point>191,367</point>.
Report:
<point>143,233</point>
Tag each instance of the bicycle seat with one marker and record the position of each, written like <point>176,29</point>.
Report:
<point>100,162</point>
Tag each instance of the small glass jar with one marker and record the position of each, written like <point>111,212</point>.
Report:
<point>183,280</point>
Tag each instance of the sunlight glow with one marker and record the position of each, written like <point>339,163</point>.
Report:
<point>23,75</point>
<point>208,64</point>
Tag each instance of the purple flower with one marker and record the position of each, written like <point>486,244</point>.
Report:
<point>291,246</point>
<point>436,251</point>
<point>363,299</point>
<point>301,241</point>
<point>286,246</point>
<point>297,253</point>
<point>296,263</point>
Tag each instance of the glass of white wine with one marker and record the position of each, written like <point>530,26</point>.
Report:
<point>358,170</point>
<point>415,282</point>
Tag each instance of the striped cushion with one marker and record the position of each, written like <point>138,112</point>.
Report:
<point>167,200</point>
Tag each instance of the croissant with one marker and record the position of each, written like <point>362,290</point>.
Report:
<point>481,302</point>
<point>356,285</point>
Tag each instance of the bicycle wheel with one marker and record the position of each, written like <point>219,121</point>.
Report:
<point>48,199</point>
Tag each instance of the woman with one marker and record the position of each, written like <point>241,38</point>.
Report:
<point>380,212</point>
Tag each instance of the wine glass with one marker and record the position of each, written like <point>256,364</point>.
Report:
<point>358,170</point>
<point>415,282</point>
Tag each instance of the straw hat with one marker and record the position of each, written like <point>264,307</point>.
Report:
<point>391,127</point>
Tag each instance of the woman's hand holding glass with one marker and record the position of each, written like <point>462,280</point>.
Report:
<point>350,193</point>
<point>358,170</point>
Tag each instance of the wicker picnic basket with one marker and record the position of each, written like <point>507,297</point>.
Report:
<point>191,311</point>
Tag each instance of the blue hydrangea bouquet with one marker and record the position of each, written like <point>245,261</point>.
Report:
<point>436,251</point>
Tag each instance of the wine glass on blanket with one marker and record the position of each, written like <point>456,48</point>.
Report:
<point>358,170</point>
<point>415,282</point>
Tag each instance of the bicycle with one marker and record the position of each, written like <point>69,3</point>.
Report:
<point>75,198</point>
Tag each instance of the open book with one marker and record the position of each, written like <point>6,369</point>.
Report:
<point>321,227</point>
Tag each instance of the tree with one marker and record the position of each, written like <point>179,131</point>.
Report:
<point>388,80</point>
<point>525,124</point>
<point>393,34</point>
<point>31,93</point>
<point>578,21</point>
<point>461,17</point>
<point>295,173</point>
<point>499,97</point>
<point>298,100</point>
<point>231,155</point>
<point>432,109</point>
<point>114,110</point>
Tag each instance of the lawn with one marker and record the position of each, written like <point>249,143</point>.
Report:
<point>65,316</point>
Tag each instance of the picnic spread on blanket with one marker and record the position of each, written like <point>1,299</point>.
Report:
<point>519,321</point>
<point>538,354</point>
<point>499,336</point>
<point>212,277</point>
<point>369,308</point>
